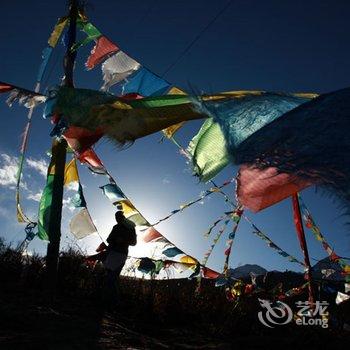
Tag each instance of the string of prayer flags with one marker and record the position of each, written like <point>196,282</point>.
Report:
<point>132,214</point>
<point>236,217</point>
<point>215,240</point>
<point>103,46</point>
<point>114,193</point>
<point>209,252</point>
<point>271,244</point>
<point>53,40</point>
<point>200,198</point>
<point>21,217</point>
<point>31,100</point>
<point>208,232</point>
<point>311,225</point>
<point>119,66</point>
<point>154,268</point>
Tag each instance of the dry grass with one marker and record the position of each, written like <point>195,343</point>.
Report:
<point>154,314</point>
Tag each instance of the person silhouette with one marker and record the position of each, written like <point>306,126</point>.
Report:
<point>122,236</point>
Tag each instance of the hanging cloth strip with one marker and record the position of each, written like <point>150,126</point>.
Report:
<point>311,225</point>
<point>53,39</point>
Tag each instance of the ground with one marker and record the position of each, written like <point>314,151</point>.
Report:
<point>152,314</point>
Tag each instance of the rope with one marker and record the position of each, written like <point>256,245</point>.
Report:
<point>196,38</point>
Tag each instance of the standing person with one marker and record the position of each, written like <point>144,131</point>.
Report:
<point>123,235</point>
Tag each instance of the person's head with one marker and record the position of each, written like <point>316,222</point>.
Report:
<point>119,216</point>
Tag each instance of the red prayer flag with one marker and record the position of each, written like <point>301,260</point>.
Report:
<point>5,87</point>
<point>258,189</point>
<point>80,139</point>
<point>149,235</point>
<point>102,50</point>
<point>209,273</point>
<point>90,157</point>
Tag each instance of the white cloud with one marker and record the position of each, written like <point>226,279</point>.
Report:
<point>4,212</point>
<point>166,180</point>
<point>66,204</point>
<point>38,164</point>
<point>8,170</point>
<point>72,186</point>
<point>34,196</point>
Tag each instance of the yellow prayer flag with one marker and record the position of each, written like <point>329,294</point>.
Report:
<point>71,172</point>
<point>57,31</point>
<point>128,208</point>
<point>188,260</point>
<point>171,130</point>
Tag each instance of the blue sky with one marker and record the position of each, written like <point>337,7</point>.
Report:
<point>289,46</point>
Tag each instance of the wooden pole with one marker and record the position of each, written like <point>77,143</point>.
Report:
<point>298,221</point>
<point>59,150</point>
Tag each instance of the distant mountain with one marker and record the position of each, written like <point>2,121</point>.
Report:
<point>327,264</point>
<point>244,270</point>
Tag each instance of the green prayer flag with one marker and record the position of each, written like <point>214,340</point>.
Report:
<point>45,209</point>
<point>208,151</point>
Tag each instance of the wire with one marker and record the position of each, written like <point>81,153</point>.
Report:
<point>196,38</point>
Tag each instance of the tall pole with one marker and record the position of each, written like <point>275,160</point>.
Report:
<point>298,221</point>
<point>59,150</point>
